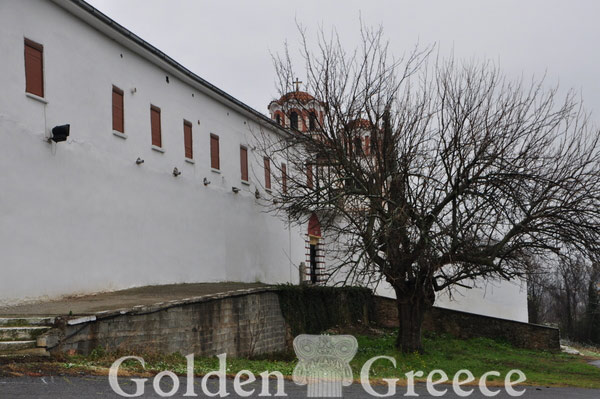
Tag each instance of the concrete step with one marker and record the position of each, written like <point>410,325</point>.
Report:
<point>12,346</point>
<point>21,333</point>
<point>26,321</point>
<point>23,354</point>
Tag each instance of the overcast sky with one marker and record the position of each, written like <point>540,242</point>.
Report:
<point>229,43</point>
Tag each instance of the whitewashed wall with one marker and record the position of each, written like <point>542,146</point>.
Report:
<point>495,298</point>
<point>81,216</point>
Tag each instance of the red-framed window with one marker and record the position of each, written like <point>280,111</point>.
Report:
<point>215,162</point>
<point>267,163</point>
<point>187,140</point>
<point>34,68</point>
<point>118,111</point>
<point>155,126</point>
<point>284,178</point>
<point>244,162</point>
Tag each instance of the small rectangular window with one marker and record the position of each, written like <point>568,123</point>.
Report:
<point>244,162</point>
<point>284,178</point>
<point>155,123</point>
<point>214,152</point>
<point>267,173</point>
<point>34,68</point>
<point>309,175</point>
<point>117,110</point>
<point>187,139</point>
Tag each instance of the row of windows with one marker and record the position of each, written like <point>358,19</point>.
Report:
<point>35,85</point>
<point>295,117</point>
<point>118,123</point>
<point>215,162</point>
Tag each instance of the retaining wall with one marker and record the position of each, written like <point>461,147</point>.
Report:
<point>239,324</point>
<point>265,320</point>
<point>468,325</point>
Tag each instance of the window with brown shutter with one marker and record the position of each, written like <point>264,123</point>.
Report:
<point>284,178</point>
<point>214,152</point>
<point>34,68</point>
<point>117,110</point>
<point>155,124</point>
<point>187,139</point>
<point>244,162</point>
<point>267,174</point>
<point>309,175</point>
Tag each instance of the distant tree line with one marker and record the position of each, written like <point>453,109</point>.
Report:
<point>566,293</point>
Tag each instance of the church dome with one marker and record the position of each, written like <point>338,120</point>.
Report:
<point>300,96</point>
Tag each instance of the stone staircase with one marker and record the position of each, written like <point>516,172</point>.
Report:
<point>19,336</point>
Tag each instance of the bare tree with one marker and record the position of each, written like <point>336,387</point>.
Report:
<point>563,291</point>
<point>570,289</point>
<point>538,292</point>
<point>592,310</point>
<point>466,175</point>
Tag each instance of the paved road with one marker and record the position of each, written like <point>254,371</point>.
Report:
<point>98,387</point>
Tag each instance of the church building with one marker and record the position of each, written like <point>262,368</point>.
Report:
<point>122,168</point>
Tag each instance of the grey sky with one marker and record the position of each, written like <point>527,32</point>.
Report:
<point>229,42</point>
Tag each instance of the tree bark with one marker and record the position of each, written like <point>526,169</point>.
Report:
<point>411,314</point>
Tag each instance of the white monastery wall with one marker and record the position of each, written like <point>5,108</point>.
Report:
<point>80,216</point>
<point>495,298</point>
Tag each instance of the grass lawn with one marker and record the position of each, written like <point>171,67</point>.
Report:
<point>441,352</point>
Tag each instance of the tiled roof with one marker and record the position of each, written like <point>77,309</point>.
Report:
<point>300,96</point>
<point>360,124</point>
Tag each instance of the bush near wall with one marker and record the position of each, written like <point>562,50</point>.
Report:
<point>314,309</point>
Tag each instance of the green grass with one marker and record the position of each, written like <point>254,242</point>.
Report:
<point>441,352</point>
<point>479,355</point>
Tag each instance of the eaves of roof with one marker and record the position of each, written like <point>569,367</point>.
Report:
<point>130,40</point>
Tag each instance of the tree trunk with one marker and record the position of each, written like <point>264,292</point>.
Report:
<point>411,312</point>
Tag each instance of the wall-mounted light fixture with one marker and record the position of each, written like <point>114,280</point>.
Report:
<point>60,133</point>
<point>139,161</point>
<point>235,189</point>
<point>133,90</point>
<point>176,172</point>
<point>206,181</point>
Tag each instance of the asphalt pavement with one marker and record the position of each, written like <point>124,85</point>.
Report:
<point>98,387</point>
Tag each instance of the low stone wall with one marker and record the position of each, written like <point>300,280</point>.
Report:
<point>467,325</point>
<point>240,324</point>
<point>311,309</point>
<point>265,320</point>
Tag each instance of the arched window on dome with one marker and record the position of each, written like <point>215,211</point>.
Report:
<point>312,121</point>
<point>278,119</point>
<point>294,120</point>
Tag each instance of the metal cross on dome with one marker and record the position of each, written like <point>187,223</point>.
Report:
<point>297,83</point>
